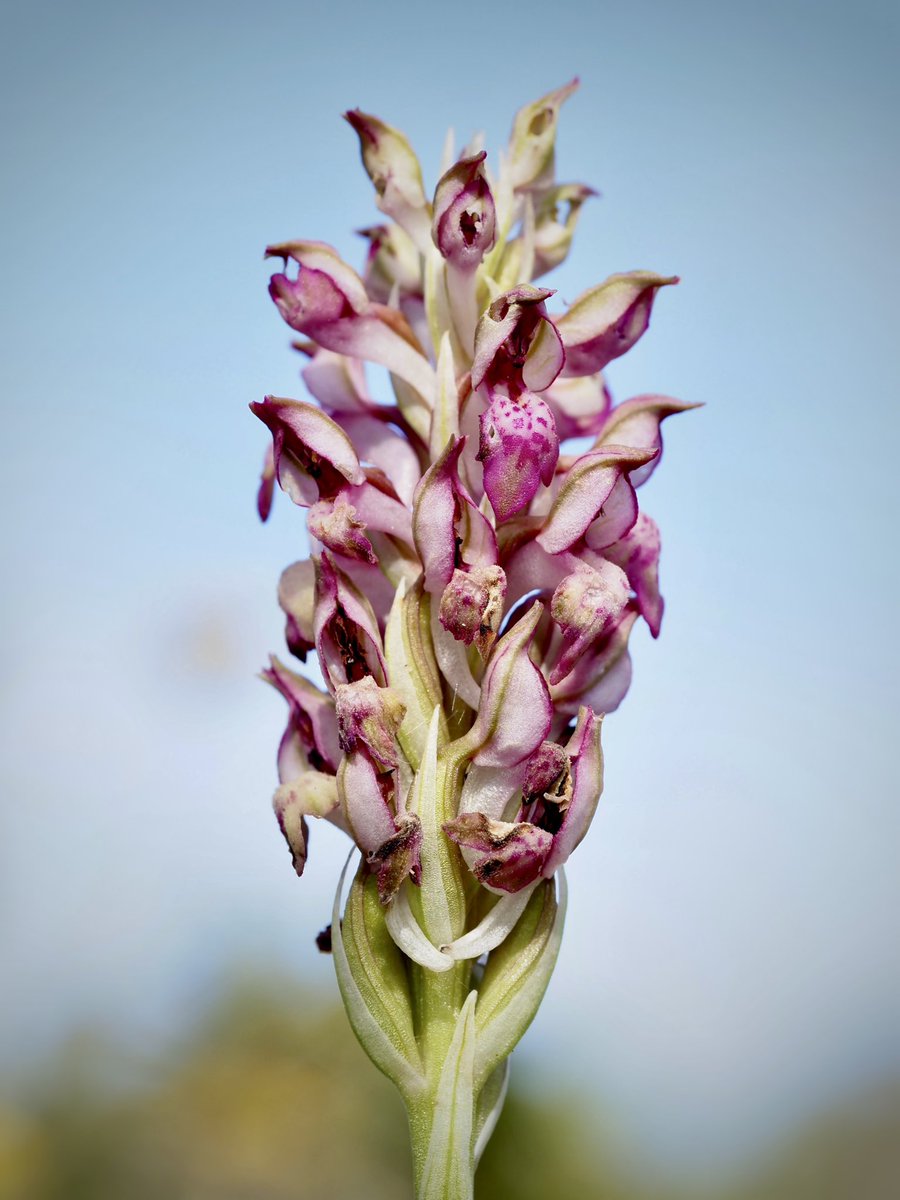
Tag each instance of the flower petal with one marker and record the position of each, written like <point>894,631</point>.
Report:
<point>338,383</point>
<point>606,321</point>
<point>637,422</point>
<point>601,677</point>
<point>502,856</point>
<point>336,525</point>
<point>328,302</point>
<point>380,508</point>
<point>311,722</point>
<point>638,556</point>
<point>323,262</point>
<point>586,605</point>
<point>296,596</point>
<point>515,713</point>
<point>505,334</point>
<point>399,858</point>
<point>586,758</point>
<point>580,405</point>
<point>588,485</point>
<point>346,631</point>
<point>382,336</point>
<point>448,529</point>
<point>364,794</point>
<point>311,795</point>
<point>545,358</point>
<point>266,491</point>
<point>312,454</point>
<point>393,262</point>
<point>377,443</point>
<point>472,606</point>
<point>552,235</point>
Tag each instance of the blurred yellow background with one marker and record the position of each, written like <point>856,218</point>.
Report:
<point>268,1097</point>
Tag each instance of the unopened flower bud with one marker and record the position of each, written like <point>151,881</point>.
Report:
<point>532,142</point>
<point>585,606</point>
<point>391,164</point>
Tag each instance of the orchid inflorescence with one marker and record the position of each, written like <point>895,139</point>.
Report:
<point>470,595</point>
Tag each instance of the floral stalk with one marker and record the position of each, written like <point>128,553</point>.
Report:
<point>473,583</point>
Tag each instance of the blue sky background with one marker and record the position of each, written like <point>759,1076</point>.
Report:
<point>731,960</point>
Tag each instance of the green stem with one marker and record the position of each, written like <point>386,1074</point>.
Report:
<point>442,1120</point>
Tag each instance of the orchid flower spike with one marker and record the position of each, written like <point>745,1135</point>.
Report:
<point>472,583</point>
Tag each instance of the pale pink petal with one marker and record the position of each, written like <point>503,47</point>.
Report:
<point>580,405</point>
<point>638,556</point>
<point>338,383</point>
<point>335,524</point>
<point>506,331</point>
<point>348,640</point>
<point>320,259</point>
<point>472,606</point>
<point>515,711</point>
<point>377,443</point>
<point>296,596</point>
<point>606,321</point>
<point>370,715</point>
<point>586,606</point>
<point>266,492</point>
<point>311,718</point>
<point>586,487</point>
<point>365,795</point>
<point>545,358</point>
<point>312,454</point>
<point>448,529</point>
<point>637,422</point>
<point>311,795</point>
<point>555,228</point>
<point>602,676</point>
<point>464,216</point>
